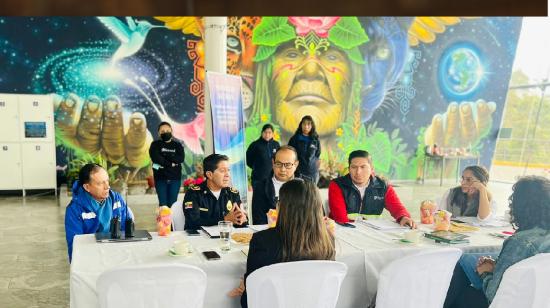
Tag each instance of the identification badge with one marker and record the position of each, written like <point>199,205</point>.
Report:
<point>229,205</point>
<point>116,205</point>
<point>90,215</point>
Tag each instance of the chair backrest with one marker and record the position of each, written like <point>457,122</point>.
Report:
<point>525,284</point>
<point>419,280</point>
<point>326,207</point>
<point>130,213</point>
<point>304,284</point>
<point>157,286</point>
<point>178,219</point>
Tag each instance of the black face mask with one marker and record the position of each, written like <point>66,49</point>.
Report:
<point>166,136</point>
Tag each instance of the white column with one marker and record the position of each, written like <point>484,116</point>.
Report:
<point>215,60</point>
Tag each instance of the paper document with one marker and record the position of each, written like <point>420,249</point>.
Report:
<point>383,224</point>
<point>494,222</point>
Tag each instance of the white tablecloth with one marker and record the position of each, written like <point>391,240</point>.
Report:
<point>364,250</point>
<point>90,259</point>
<point>382,248</point>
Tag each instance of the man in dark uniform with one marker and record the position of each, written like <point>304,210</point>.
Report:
<point>213,200</point>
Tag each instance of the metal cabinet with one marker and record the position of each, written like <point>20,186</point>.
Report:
<point>27,142</point>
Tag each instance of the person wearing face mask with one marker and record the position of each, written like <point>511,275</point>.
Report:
<point>167,154</point>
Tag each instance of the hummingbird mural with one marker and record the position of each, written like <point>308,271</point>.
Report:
<point>131,36</point>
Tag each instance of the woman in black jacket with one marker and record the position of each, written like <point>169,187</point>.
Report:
<point>167,155</point>
<point>259,154</point>
<point>306,142</point>
<point>301,232</point>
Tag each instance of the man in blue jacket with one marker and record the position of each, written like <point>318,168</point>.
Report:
<point>93,205</point>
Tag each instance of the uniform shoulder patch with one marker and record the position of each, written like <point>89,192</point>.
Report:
<point>234,190</point>
<point>195,187</point>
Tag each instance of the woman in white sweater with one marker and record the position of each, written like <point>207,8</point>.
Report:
<point>471,198</point>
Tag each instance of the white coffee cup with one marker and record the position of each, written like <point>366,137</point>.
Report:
<point>413,236</point>
<point>182,247</point>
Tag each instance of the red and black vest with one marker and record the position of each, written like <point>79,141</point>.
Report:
<point>373,202</point>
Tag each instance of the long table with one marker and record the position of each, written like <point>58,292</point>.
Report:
<point>381,248</point>
<point>365,251</point>
<point>90,259</point>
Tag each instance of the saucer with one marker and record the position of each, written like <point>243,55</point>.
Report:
<point>172,253</point>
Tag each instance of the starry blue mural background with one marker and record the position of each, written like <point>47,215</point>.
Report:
<point>423,91</point>
<point>66,54</point>
<point>62,55</point>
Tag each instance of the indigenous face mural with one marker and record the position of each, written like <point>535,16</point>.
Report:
<point>113,80</point>
<point>387,85</point>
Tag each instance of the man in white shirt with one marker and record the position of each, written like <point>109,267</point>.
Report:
<point>266,192</point>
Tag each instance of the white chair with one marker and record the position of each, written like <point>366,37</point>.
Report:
<point>178,219</point>
<point>303,284</point>
<point>525,284</point>
<point>419,280</point>
<point>131,214</point>
<point>158,286</point>
<point>326,207</point>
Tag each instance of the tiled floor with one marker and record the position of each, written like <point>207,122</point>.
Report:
<point>34,271</point>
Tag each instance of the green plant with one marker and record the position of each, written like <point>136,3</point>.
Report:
<point>388,151</point>
<point>81,159</point>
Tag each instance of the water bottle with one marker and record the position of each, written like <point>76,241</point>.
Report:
<point>129,228</point>
<point>115,227</point>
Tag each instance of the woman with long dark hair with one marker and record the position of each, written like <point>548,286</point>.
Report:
<point>471,198</point>
<point>476,280</point>
<point>301,232</point>
<point>306,142</point>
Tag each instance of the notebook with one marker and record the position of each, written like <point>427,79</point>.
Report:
<point>139,235</point>
<point>447,237</point>
<point>212,231</point>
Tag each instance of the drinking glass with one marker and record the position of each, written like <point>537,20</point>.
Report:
<point>225,235</point>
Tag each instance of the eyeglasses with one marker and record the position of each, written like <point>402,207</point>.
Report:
<point>286,165</point>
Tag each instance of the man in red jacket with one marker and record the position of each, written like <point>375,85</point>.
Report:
<point>362,192</point>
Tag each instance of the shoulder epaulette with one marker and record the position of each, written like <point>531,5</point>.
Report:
<point>195,187</point>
